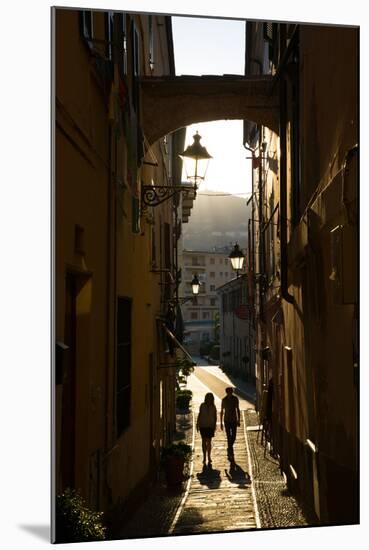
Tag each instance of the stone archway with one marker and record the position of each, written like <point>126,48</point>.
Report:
<point>169,103</point>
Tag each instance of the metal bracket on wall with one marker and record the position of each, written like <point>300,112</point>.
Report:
<point>153,195</point>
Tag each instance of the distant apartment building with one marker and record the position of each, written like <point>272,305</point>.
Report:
<point>213,269</point>
<point>237,334</point>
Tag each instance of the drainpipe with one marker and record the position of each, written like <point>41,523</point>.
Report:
<point>260,216</point>
<point>251,248</point>
<point>283,193</point>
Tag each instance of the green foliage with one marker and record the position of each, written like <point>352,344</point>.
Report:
<point>205,348</point>
<point>184,369</point>
<point>215,352</point>
<point>177,449</point>
<point>183,398</point>
<point>75,522</point>
<point>216,321</point>
<point>185,366</point>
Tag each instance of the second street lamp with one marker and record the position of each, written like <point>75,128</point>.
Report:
<point>195,283</point>
<point>237,258</point>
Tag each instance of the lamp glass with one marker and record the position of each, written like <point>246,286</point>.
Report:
<point>196,160</point>
<point>195,285</point>
<point>237,263</point>
<point>195,168</point>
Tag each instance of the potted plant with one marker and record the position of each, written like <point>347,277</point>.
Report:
<point>174,457</point>
<point>183,398</point>
<point>184,369</point>
<point>75,522</point>
<point>214,352</point>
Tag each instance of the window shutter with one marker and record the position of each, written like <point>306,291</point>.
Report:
<point>268,31</point>
<point>123,364</point>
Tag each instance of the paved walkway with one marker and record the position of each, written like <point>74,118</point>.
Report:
<point>253,494</point>
<point>220,497</point>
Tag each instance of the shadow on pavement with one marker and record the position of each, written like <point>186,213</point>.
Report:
<point>190,521</point>
<point>237,475</point>
<point>209,477</point>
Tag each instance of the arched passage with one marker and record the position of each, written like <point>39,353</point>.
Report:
<point>169,103</point>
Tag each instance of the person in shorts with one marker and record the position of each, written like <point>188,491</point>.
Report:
<point>231,412</point>
<point>206,423</point>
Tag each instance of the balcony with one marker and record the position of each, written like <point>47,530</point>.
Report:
<point>194,267</point>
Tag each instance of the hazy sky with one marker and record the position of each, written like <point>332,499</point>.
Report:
<point>215,47</point>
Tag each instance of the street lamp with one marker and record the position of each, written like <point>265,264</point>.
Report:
<point>196,160</point>
<point>237,258</point>
<point>195,284</point>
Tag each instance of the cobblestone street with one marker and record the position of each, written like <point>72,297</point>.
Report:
<point>252,494</point>
<point>221,496</point>
<point>276,506</point>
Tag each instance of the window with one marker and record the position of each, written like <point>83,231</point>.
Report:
<point>221,273</point>
<point>167,246</point>
<point>153,246</point>
<point>121,19</point>
<point>79,239</point>
<point>123,366</point>
<point>109,33</point>
<point>212,274</point>
<point>87,24</point>
<point>226,261</point>
<point>226,274</point>
<point>271,37</point>
<point>221,260</point>
<point>135,67</point>
<point>225,303</point>
<point>295,146</point>
<point>213,301</point>
<point>198,260</point>
<point>161,400</point>
<point>212,288</point>
<point>212,261</point>
<point>151,44</point>
<point>193,314</point>
<point>205,315</point>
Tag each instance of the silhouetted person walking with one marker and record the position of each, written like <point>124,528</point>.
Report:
<point>206,423</point>
<point>231,412</point>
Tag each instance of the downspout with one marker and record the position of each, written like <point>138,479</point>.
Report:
<point>283,193</point>
<point>110,296</point>
<point>261,234</point>
<point>250,238</point>
<point>251,248</point>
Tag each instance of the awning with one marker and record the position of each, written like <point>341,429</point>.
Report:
<point>177,343</point>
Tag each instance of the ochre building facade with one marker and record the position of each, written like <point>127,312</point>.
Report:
<point>303,259</point>
<point>115,258</point>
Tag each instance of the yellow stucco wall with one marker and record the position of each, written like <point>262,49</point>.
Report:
<point>114,262</point>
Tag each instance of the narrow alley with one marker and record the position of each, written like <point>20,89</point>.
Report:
<point>206,237</point>
<point>249,494</point>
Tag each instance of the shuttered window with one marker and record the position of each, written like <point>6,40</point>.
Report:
<point>124,364</point>
<point>135,68</point>
<point>109,33</point>
<point>167,246</point>
<point>87,24</point>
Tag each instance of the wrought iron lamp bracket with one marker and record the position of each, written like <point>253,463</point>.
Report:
<point>153,195</point>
